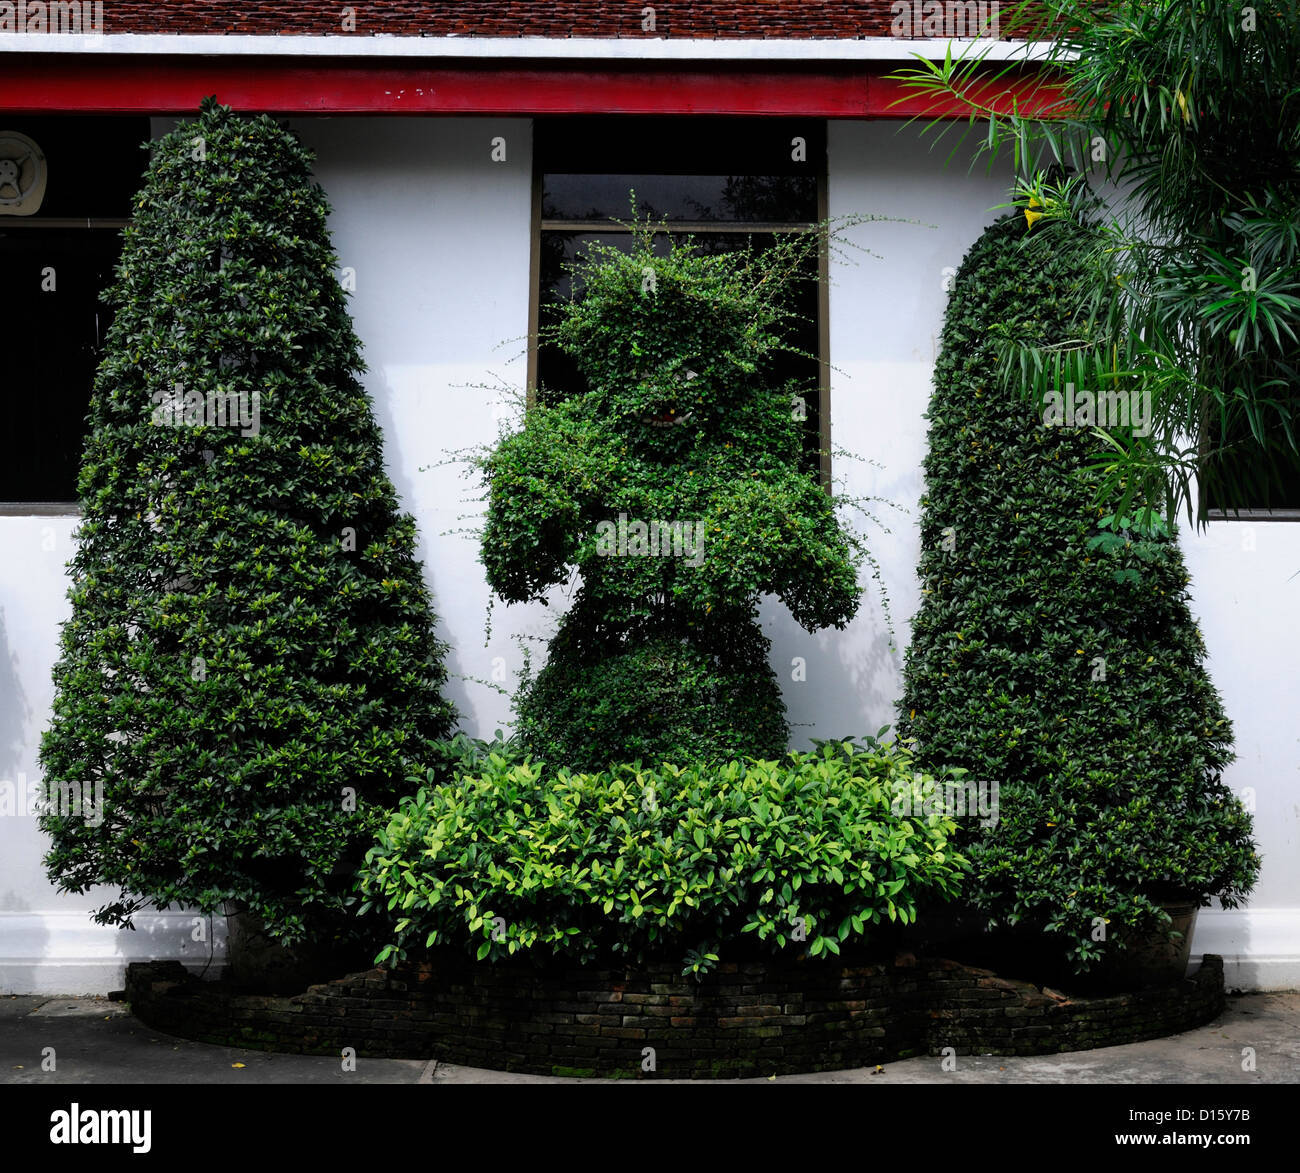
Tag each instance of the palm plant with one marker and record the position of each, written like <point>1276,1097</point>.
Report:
<point>1191,108</point>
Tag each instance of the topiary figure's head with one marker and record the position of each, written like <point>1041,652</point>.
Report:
<point>676,345</point>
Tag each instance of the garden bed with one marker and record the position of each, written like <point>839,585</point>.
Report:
<point>745,1019</point>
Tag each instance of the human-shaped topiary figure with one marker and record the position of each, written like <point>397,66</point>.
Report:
<point>249,672</point>
<point>674,486</point>
<point>1050,656</point>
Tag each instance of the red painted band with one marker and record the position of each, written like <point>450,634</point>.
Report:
<point>175,85</point>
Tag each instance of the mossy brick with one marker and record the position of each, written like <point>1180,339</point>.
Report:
<point>808,1045</point>
<point>622,1032</point>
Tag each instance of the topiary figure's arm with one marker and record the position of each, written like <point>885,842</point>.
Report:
<point>776,534</point>
<point>540,482</point>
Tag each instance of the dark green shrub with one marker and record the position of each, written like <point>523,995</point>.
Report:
<point>250,667</point>
<point>633,862</point>
<point>654,695</point>
<point>682,424</point>
<point>1054,652</point>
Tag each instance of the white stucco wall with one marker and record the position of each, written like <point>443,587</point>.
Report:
<point>438,236</point>
<point>1246,587</point>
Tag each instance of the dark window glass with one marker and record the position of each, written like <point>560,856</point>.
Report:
<point>635,145</point>
<point>52,276</point>
<point>768,199</point>
<point>1245,476</point>
<point>53,341</point>
<point>94,165</point>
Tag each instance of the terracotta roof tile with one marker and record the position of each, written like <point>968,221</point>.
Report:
<point>786,19</point>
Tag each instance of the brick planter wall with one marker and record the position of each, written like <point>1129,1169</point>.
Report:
<point>742,1020</point>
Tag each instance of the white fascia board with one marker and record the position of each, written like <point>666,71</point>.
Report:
<point>527,48</point>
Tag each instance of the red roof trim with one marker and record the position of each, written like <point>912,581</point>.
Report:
<point>117,85</point>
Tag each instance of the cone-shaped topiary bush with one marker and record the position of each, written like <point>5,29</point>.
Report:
<point>1054,653</point>
<point>249,673</point>
<point>674,486</point>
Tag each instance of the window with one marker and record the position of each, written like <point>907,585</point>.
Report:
<point>730,183</point>
<point>54,265</point>
<point>1244,480</point>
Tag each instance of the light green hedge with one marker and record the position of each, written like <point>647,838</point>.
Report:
<point>804,853</point>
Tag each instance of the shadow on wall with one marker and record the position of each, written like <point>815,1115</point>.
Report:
<point>874,667</point>
<point>197,940</point>
<point>15,711</point>
<point>24,944</point>
<point>24,940</point>
<point>85,956</point>
<point>382,396</point>
<point>835,683</point>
